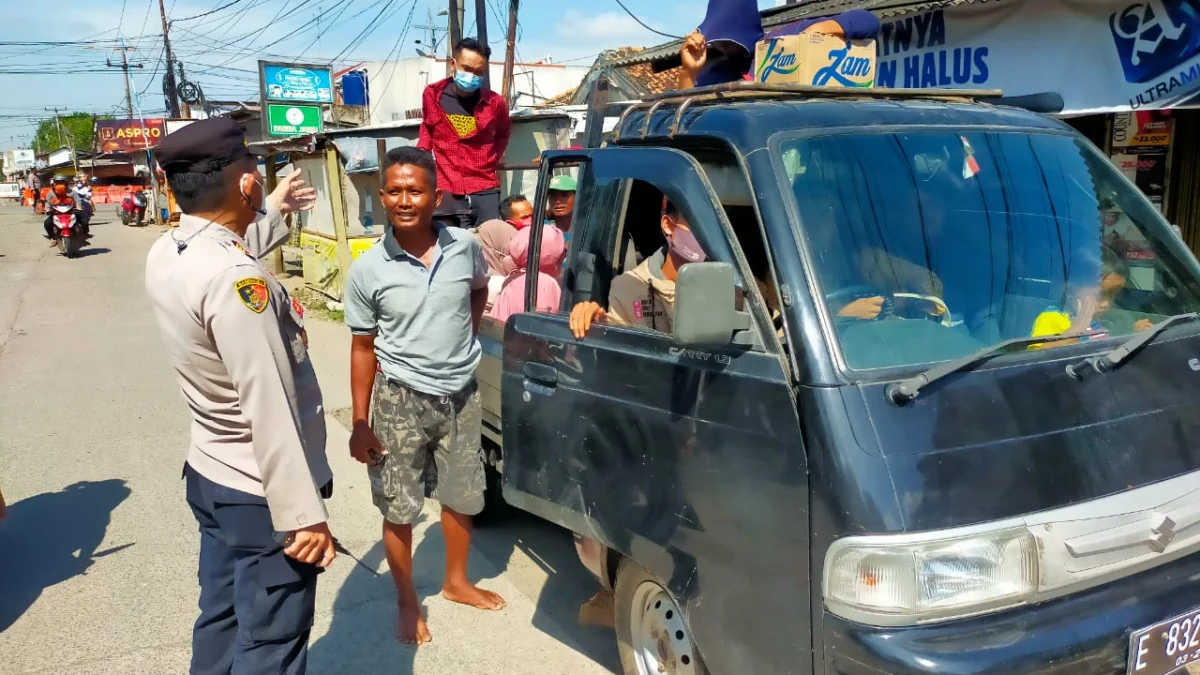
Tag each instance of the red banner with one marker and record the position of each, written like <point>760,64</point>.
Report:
<point>129,135</point>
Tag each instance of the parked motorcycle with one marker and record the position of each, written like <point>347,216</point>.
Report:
<point>67,230</point>
<point>133,208</point>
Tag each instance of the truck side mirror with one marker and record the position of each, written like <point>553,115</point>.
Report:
<point>705,306</point>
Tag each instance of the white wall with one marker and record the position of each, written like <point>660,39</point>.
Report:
<point>396,86</point>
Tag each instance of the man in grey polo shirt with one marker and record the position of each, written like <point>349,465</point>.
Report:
<point>413,302</point>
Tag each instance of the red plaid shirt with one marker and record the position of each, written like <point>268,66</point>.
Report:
<point>465,165</point>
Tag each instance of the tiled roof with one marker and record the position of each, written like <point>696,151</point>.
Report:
<point>642,73</point>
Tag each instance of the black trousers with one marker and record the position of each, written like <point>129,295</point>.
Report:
<point>468,211</point>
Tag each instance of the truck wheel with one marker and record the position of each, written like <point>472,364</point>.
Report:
<point>651,635</point>
<point>495,509</point>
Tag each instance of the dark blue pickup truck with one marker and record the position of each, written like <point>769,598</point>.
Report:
<point>916,412</point>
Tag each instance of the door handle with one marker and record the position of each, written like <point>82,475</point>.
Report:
<point>540,373</point>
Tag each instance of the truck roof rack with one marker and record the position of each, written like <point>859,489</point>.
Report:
<point>758,90</point>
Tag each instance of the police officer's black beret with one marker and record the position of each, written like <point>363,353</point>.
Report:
<point>203,146</point>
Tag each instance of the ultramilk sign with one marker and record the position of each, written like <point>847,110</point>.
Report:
<point>129,135</point>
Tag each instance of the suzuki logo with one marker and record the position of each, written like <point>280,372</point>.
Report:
<point>1194,364</point>
<point>1149,16</point>
<point>1162,534</point>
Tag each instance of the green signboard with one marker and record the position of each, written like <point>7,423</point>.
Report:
<point>293,120</point>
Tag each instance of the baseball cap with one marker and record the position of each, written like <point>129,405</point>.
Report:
<point>562,183</point>
<point>204,146</point>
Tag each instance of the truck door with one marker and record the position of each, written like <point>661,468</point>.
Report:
<point>687,461</point>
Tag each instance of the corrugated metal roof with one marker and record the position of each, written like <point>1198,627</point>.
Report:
<point>779,16</point>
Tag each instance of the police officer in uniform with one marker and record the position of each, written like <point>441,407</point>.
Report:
<point>256,470</point>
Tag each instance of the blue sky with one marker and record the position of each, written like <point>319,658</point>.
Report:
<point>220,51</point>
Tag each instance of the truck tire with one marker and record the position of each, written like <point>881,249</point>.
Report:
<point>495,509</point>
<point>652,637</point>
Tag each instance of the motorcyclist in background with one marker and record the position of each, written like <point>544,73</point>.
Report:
<point>83,201</point>
<point>59,196</point>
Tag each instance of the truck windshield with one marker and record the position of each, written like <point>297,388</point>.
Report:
<point>930,245</point>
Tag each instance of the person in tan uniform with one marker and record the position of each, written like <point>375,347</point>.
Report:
<point>256,470</point>
<point>644,297</point>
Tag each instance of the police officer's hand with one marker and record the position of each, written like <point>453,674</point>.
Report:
<point>313,545</point>
<point>582,316</point>
<point>291,195</point>
<point>365,445</point>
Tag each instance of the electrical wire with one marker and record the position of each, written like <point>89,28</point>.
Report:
<point>369,29</point>
<point>643,23</point>
<point>212,11</point>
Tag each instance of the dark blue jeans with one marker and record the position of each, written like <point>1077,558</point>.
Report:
<point>256,604</point>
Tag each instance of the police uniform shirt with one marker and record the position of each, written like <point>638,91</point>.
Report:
<point>237,343</point>
<point>643,298</point>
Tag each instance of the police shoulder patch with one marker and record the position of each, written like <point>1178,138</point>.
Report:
<point>252,291</point>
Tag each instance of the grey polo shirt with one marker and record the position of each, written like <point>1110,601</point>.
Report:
<point>421,317</point>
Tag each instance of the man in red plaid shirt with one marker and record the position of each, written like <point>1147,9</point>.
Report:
<point>467,129</point>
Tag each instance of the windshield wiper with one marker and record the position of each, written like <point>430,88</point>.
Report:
<point>1103,363</point>
<point>906,390</point>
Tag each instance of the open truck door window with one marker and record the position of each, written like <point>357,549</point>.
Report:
<point>682,458</point>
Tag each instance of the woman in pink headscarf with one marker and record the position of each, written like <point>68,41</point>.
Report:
<point>512,293</point>
<point>494,237</point>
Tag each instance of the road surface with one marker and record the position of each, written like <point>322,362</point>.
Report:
<point>98,555</point>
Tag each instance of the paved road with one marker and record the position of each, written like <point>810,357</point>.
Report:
<point>97,558</point>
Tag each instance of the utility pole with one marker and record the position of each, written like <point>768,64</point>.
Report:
<point>184,107</point>
<point>70,143</point>
<point>457,10</point>
<point>481,28</point>
<point>125,67</point>
<point>169,78</point>
<point>510,54</point>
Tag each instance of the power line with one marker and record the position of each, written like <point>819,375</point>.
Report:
<point>643,23</point>
<point>211,11</point>
<point>396,47</point>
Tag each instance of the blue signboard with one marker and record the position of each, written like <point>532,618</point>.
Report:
<point>297,84</point>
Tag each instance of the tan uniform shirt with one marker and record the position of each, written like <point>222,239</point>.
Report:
<point>238,346</point>
<point>642,298</point>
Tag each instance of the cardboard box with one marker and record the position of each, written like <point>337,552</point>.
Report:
<point>816,59</point>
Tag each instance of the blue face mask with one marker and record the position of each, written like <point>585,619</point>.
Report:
<point>467,82</point>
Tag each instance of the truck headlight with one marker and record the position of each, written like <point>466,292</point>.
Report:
<point>903,580</point>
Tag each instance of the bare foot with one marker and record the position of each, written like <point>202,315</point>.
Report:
<point>473,596</point>
<point>411,628</point>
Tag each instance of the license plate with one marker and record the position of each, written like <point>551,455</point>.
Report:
<point>1166,647</point>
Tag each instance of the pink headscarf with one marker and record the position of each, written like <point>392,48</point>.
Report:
<point>512,295</point>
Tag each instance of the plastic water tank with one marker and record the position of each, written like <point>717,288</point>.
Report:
<point>354,88</point>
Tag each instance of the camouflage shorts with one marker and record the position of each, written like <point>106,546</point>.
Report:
<point>433,451</point>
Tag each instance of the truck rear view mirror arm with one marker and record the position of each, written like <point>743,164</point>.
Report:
<point>706,311</point>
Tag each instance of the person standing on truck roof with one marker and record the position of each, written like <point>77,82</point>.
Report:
<point>467,129</point>
<point>413,303</point>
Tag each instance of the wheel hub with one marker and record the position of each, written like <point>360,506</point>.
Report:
<point>661,642</point>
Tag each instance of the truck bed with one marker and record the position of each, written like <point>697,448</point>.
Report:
<point>489,375</point>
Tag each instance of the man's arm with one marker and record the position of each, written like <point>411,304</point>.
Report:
<point>247,334</point>
<point>363,321</point>
<point>291,195</point>
<point>479,284</point>
<point>503,132</point>
<point>425,135</point>
<point>479,298</point>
